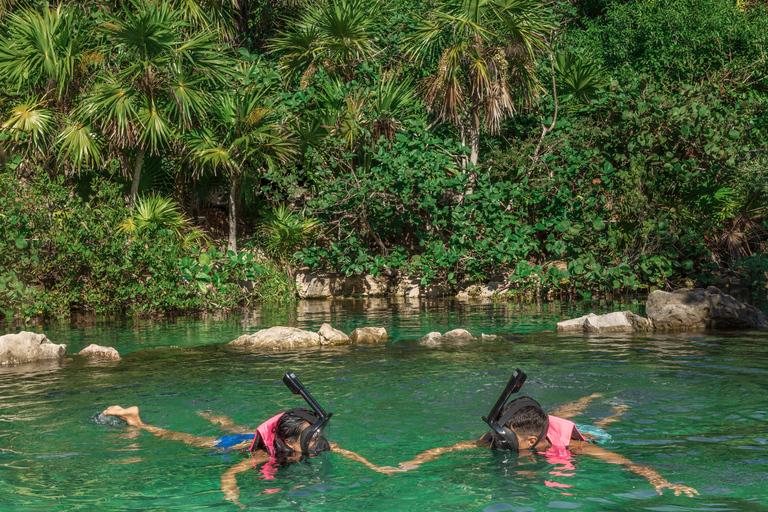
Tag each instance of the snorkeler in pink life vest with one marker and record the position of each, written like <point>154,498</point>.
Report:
<point>522,426</point>
<point>283,439</point>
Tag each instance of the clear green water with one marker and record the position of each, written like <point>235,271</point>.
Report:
<point>697,413</point>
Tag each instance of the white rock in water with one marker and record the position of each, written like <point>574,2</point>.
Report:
<point>330,336</point>
<point>29,347</point>
<point>461,335</point>
<point>368,335</point>
<point>278,338</point>
<point>431,339</point>
<point>97,351</point>
<point>574,324</point>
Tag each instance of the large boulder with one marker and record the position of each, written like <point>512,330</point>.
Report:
<point>698,308</point>
<point>330,336</point>
<point>29,347</point>
<point>99,352</point>
<point>368,335</point>
<point>278,338</point>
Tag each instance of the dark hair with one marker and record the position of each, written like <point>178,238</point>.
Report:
<point>528,421</point>
<point>290,425</point>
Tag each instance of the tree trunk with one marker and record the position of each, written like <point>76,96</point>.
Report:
<point>474,136</point>
<point>232,242</point>
<point>136,176</point>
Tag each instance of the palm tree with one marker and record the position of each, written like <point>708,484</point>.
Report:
<point>44,54</point>
<point>42,51</point>
<point>334,35</point>
<point>157,90</point>
<point>240,139</point>
<point>485,54</point>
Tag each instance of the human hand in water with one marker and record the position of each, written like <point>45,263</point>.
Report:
<point>679,489</point>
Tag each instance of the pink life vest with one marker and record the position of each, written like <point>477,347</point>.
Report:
<point>265,435</point>
<point>265,438</point>
<point>559,434</point>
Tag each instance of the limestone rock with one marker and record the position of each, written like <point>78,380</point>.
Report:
<point>698,308</point>
<point>485,291</point>
<point>29,347</point>
<point>311,285</point>
<point>368,335</point>
<point>490,337</point>
<point>618,322</point>
<point>324,285</point>
<point>431,339</point>
<point>574,324</point>
<point>278,338</point>
<point>458,335</point>
<point>97,351</point>
<point>330,336</point>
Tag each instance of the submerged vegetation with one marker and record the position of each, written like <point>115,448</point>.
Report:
<point>162,156</point>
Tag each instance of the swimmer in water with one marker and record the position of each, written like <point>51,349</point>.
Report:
<point>522,426</point>
<point>282,439</point>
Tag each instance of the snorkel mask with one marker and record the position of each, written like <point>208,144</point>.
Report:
<point>314,432</point>
<point>504,437</point>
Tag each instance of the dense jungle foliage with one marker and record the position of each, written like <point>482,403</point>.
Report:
<point>173,156</point>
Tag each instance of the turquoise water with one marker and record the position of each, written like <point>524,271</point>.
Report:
<point>696,413</point>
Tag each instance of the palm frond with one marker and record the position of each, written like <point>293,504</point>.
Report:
<point>79,145</point>
<point>30,120</point>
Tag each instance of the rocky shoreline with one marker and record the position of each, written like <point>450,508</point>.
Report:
<point>682,310</point>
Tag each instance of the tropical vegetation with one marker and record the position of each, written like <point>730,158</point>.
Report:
<point>160,156</point>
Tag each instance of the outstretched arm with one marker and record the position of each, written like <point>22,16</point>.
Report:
<point>656,480</point>
<point>225,423</point>
<point>575,408</point>
<point>229,478</point>
<point>435,453</point>
<point>359,458</point>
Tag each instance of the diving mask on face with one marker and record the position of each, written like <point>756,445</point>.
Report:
<point>504,437</point>
<point>312,441</point>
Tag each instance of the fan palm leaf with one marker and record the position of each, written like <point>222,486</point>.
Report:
<point>335,34</point>
<point>40,47</point>
<point>30,120</point>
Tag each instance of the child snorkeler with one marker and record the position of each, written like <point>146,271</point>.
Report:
<point>282,439</point>
<point>522,426</point>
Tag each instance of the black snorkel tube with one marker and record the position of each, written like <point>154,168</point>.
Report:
<point>503,434</point>
<point>505,438</point>
<point>315,430</point>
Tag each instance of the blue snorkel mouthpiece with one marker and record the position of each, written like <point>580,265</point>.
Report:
<point>312,435</point>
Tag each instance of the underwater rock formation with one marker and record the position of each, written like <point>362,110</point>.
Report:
<point>368,335</point>
<point>278,338</point>
<point>99,352</point>
<point>698,308</point>
<point>29,347</point>
<point>330,336</point>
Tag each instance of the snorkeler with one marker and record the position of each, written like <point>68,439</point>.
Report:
<point>522,426</point>
<point>283,439</point>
